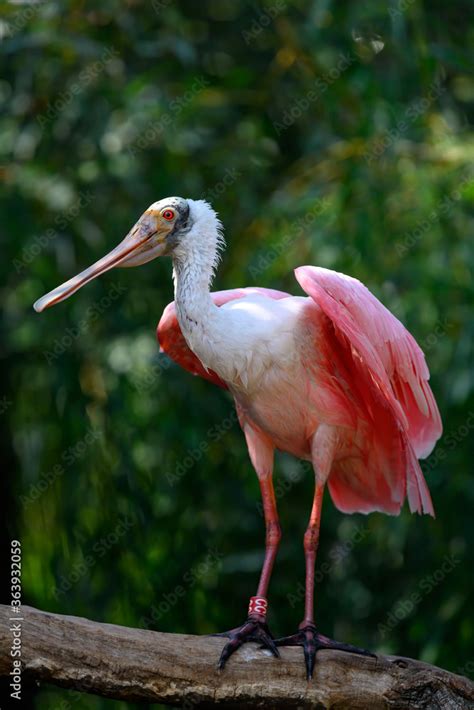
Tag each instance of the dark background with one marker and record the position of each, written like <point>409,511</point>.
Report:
<point>329,133</point>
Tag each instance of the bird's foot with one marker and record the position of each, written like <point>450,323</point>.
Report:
<point>312,642</point>
<point>252,629</point>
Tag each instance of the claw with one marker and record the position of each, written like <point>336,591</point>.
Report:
<point>313,642</point>
<point>309,660</point>
<point>269,644</point>
<point>223,634</point>
<point>252,630</point>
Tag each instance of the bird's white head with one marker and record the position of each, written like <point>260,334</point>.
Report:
<point>187,230</point>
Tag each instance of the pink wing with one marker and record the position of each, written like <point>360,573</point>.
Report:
<point>387,369</point>
<point>171,339</point>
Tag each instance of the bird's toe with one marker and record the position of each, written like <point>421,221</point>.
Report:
<point>312,642</point>
<point>251,631</point>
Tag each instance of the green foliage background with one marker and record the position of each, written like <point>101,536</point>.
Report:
<point>329,133</point>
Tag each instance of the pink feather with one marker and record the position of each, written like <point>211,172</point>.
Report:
<point>373,382</point>
<point>391,376</point>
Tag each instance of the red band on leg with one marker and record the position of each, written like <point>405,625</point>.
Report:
<point>258,605</point>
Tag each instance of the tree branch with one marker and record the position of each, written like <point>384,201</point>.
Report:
<point>133,664</point>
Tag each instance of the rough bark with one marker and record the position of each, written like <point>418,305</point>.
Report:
<point>133,664</point>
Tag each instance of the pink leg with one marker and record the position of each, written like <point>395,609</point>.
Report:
<point>255,627</point>
<point>311,542</point>
<point>272,533</point>
<point>324,446</point>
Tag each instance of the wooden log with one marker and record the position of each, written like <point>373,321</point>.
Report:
<point>174,669</point>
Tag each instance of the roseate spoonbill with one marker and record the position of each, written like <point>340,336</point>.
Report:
<point>333,378</point>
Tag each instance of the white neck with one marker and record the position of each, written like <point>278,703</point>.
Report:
<point>231,342</point>
<point>194,262</point>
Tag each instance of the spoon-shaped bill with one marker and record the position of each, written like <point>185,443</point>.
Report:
<point>137,241</point>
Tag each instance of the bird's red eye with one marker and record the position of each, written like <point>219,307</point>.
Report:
<point>168,214</point>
